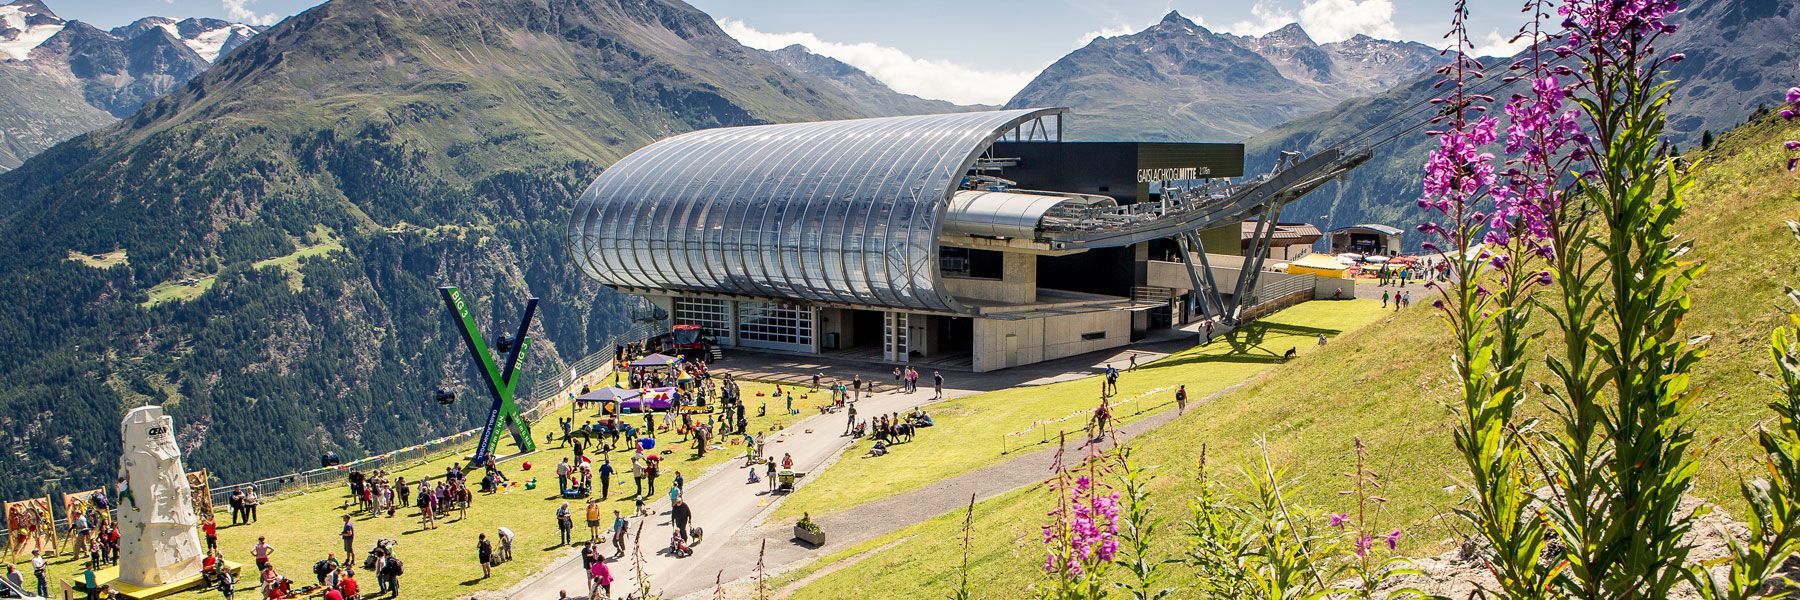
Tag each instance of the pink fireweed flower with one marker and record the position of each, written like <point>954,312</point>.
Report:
<point>1338,520</point>
<point>1363,543</point>
<point>1393,539</point>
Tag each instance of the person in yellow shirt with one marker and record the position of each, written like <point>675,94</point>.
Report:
<point>593,519</point>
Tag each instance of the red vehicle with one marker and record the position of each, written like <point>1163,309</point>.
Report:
<point>687,341</point>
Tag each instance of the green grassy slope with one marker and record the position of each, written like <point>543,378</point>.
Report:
<point>1388,384</point>
<point>971,431</point>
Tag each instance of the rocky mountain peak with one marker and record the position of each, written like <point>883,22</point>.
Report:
<point>1292,35</point>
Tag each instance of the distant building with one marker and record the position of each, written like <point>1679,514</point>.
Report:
<point>972,240</point>
<point>1290,240</point>
<point>1379,240</point>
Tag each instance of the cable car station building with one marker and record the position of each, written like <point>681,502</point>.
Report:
<point>975,240</point>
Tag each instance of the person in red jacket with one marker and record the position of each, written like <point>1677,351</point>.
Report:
<point>348,586</point>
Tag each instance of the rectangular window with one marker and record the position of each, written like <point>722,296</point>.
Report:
<point>971,263</point>
<point>713,316</point>
<point>1094,335</point>
<point>781,326</point>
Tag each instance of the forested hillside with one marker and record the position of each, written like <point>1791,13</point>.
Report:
<point>259,251</point>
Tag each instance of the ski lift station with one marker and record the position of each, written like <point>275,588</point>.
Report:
<point>975,241</point>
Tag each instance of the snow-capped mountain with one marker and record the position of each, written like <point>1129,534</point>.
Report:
<point>25,25</point>
<point>61,78</point>
<point>1178,80</point>
<point>207,37</point>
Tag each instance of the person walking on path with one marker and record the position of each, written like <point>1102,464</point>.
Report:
<point>1133,366</point>
<point>681,515</point>
<point>599,581</point>
<point>851,424</point>
<point>484,551</point>
<point>771,465</point>
<point>1181,399</point>
<point>565,522</point>
<point>1384,298</point>
<point>618,534</point>
<point>937,384</point>
<point>349,535</point>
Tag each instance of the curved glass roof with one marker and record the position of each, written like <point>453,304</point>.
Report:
<point>843,212</point>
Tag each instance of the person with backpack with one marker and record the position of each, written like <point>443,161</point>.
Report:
<point>484,552</point>
<point>565,522</point>
<point>324,568</point>
<point>1180,399</point>
<point>389,577</point>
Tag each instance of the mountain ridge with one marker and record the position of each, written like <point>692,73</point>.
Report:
<point>53,67</point>
<point>1179,81</point>
<point>378,149</point>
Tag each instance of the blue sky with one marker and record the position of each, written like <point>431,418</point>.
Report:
<point>959,50</point>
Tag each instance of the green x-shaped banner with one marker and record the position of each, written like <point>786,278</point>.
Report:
<point>502,381</point>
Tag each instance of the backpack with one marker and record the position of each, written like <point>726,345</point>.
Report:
<point>321,568</point>
<point>395,567</point>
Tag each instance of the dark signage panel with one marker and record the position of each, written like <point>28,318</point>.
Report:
<point>1123,170</point>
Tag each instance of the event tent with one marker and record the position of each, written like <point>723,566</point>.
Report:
<point>655,360</point>
<point>1317,264</point>
<point>608,394</point>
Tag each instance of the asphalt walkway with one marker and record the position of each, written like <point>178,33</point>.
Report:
<point>730,510</point>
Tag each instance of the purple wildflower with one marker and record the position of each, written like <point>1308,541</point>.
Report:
<point>1393,539</point>
<point>1338,520</point>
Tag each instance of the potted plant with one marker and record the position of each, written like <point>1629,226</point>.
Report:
<point>808,531</point>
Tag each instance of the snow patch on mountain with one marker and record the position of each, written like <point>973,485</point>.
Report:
<point>209,43</point>
<point>20,33</point>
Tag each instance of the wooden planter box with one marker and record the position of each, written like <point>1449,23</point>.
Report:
<point>816,539</point>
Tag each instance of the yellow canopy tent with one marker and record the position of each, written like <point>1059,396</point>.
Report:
<point>1317,264</point>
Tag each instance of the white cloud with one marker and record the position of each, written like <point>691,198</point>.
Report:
<point>1104,32</point>
<point>1265,18</point>
<point>942,80</point>
<point>1495,44</point>
<point>237,11</point>
<point>1338,20</point>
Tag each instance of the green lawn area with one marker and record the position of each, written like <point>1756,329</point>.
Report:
<point>106,260</point>
<point>440,563</point>
<point>177,290</point>
<point>969,430</point>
